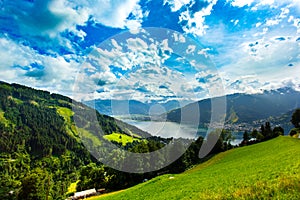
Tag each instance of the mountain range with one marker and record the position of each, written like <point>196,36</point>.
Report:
<point>240,108</point>
<point>133,107</point>
<point>247,108</point>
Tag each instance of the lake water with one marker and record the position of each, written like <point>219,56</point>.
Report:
<point>165,129</point>
<point>175,130</point>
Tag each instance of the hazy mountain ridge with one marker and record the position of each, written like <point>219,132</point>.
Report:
<point>132,107</point>
<point>247,108</point>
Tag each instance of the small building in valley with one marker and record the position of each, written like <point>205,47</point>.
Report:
<point>85,193</point>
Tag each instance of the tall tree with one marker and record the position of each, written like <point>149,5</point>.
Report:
<point>296,118</point>
<point>278,131</point>
<point>246,138</point>
<point>36,185</point>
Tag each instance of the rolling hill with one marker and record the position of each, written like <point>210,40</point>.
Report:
<point>268,170</point>
<point>246,108</point>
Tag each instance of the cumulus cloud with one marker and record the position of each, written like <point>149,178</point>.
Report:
<point>194,21</point>
<point>43,17</point>
<point>262,64</point>
<point>115,13</point>
<point>54,16</point>
<point>52,26</point>
<point>264,46</point>
<point>142,75</point>
<point>143,65</point>
<point>24,65</point>
<point>192,14</point>
<point>176,4</point>
<point>43,42</point>
<point>240,3</point>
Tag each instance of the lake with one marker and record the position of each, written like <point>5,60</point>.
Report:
<point>165,129</point>
<point>175,130</point>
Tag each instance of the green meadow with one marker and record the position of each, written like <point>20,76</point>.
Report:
<point>120,138</point>
<point>268,170</point>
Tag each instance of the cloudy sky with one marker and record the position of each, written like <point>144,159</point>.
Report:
<point>194,49</point>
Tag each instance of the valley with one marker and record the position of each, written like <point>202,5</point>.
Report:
<point>49,139</point>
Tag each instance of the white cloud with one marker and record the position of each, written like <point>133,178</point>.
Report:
<point>204,52</point>
<point>296,23</point>
<point>265,55</point>
<point>145,75</point>
<point>258,24</point>
<point>235,22</point>
<point>44,17</point>
<point>255,65</point>
<point>240,3</point>
<point>12,54</point>
<point>266,2</point>
<point>179,38</point>
<point>44,23</point>
<point>272,22</point>
<point>191,49</point>
<point>176,4</point>
<point>136,44</point>
<point>56,75</point>
<point>278,19</point>
<point>145,84</point>
<point>195,22</point>
<point>115,13</point>
<point>130,52</point>
<point>262,66</point>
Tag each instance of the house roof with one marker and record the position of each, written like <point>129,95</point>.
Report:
<point>85,192</point>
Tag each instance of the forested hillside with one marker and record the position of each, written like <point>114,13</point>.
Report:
<point>41,147</point>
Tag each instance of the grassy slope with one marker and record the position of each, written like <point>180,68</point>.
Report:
<point>3,119</point>
<point>120,138</point>
<point>70,127</point>
<point>67,113</point>
<point>267,170</point>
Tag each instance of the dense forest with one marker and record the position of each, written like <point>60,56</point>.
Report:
<point>43,150</point>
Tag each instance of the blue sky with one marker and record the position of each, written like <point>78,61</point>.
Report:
<point>104,49</point>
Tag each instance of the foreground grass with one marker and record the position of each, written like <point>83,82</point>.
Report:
<point>269,170</point>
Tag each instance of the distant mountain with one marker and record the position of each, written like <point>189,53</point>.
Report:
<point>132,107</point>
<point>247,108</point>
<point>119,107</point>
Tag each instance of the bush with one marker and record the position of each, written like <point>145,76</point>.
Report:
<point>293,132</point>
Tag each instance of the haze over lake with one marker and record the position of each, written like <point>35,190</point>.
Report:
<point>176,130</point>
<point>165,129</point>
